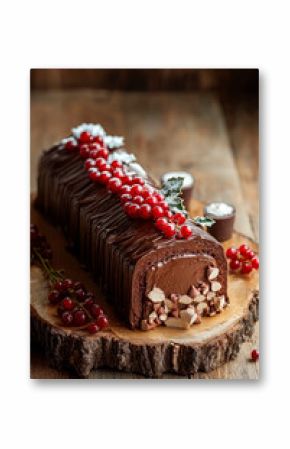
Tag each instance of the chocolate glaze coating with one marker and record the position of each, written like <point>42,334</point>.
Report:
<point>127,256</point>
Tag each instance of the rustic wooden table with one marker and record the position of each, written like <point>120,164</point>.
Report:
<point>214,138</point>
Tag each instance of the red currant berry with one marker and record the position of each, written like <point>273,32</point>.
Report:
<point>67,303</point>
<point>84,151</point>
<point>145,211</point>
<point>117,173</point>
<point>67,283</point>
<point>138,199</point>
<point>80,294</point>
<point>89,163</point>
<point>104,177</point>
<point>54,296</point>
<point>88,303</point>
<point>98,140</point>
<point>85,137</point>
<point>102,322</point>
<point>103,152</point>
<point>79,318</point>
<point>133,210</point>
<point>96,310</point>
<point>157,212</point>
<point>67,318</point>
<point>178,218</point>
<point>93,153</point>
<point>159,196</point>
<point>145,193</point>
<point>243,249</point>
<point>138,180</point>
<point>114,184</point>
<point>160,223</point>
<point>116,164</point>
<point>101,164</point>
<point>94,175</point>
<point>164,205</point>
<point>152,201</point>
<point>250,254</point>
<point>255,355</point>
<point>58,286</point>
<point>235,264</point>
<point>246,267</point>
<point>255,263</point>
<point>231,253</point>
<point>93,328</point>
<point>136,189</point>
<point>185,231</point>
<point>125,197</point>
<point>168,214</point>
<point>71,145</point>
<point>125,189</point>
<point>127,180</point>
<point>169,230</point>
<point>77,285</point>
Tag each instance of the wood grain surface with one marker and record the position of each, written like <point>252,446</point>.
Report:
<point>217,141</point>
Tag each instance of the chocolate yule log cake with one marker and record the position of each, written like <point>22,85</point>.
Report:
<point>154,264</point>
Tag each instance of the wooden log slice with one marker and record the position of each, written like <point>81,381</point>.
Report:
<point>203,347</point>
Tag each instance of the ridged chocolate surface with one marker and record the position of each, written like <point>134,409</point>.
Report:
<point>118,250</point>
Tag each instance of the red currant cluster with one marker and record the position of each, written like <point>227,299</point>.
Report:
<point>242,259</point>
<point>77,306</point>
<point>139,199</point>
<point>39,245</point>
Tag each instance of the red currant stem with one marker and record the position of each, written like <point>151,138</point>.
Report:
<point>52,274</point>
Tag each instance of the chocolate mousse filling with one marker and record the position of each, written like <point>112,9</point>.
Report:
<point>129,257</point>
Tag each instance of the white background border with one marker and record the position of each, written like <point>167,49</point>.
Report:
<point>163,414</point>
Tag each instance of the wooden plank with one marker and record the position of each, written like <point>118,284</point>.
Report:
<point>166,131</point>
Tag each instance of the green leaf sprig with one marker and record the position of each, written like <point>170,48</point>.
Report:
<point>203,221</point>
<point>171,189</point>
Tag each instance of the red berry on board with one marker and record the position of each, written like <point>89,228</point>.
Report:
<point>85,137</point>
<point>169,230</point>
<point>250,254</point>
<point>185,231</point>
<point>67,303</point>
<point>58,286</point>
<point>138,199</point>
<point>255,263</point>
<point>246,267</point>
<point>127,179</point>
<point>90,163</point>
<point>67,283</point>
<point>145,211</point>
<point>160,223</point>
<point>88,302</point>
<point>103,152</point>
<point>133,210</point>
<point>84,151</point>
<point>93,328</point>
<point>54,296</point>
<point>235,264</point>
<point>80,294</point>
<point>117,173</point>
<point>67,318</point>
<point>71,145</point>
<point>159,196</point>
<point>157,212</point>
<point>178,218</point>
<point>79,318</point>
<point>114,184</point>
<point>255,355</point>
<point>168,214</point>
<point>136,189</point>
<point>102,321</point>
<point>104,177</point>
<point>116,164</point>
<point>96,310</point>
<point>138,180</point>
<point>231,253</point>
<point>243,249</point>
<point>77,285</point>
<point>163,204</point>
<point>152,201</point>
